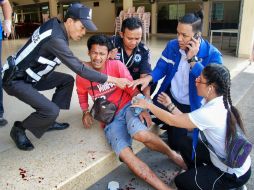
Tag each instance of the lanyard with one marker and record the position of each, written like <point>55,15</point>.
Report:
<point>128,59</point>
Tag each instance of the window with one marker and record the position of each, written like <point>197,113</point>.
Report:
<point>218,11</point>
<point>176,11</point>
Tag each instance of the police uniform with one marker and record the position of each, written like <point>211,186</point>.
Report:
<point>138,62</point>
<point>32,70</point>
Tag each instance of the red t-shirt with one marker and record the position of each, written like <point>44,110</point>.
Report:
<point>107,90</point>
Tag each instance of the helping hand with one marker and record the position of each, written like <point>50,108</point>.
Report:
<point>120,82</point>
<point>143,81</point>
<point>145,117</point>
<point>140,103</point>
<point>164,99</point>
<point>113,53</point>
<point>87,120</point>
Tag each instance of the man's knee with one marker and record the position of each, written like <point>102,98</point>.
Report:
<point>143,136</point>
<point>52,110</point>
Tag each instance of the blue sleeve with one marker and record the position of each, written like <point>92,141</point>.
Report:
<point>164,64</point>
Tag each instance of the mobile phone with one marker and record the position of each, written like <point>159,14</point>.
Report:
<point>196,36</point>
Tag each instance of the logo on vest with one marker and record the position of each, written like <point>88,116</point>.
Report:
<point>36,36</point>
<point>137,58</point>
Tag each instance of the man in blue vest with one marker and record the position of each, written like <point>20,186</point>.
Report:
<point>31,70</point>
<point>7,10</point>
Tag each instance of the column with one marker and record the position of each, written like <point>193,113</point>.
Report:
<point>52,8</point>
<point>246,30</point>
<point>154,17</point>
<point>206,20</point>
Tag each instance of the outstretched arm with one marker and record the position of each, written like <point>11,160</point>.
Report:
<point>175,118</point>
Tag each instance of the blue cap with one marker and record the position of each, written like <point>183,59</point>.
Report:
<point>83,13</point>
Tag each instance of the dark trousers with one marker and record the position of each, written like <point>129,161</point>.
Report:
<point>174,133</point>
<point>207,173</point>
<point>46,111</point>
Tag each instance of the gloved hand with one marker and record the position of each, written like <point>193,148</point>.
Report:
<point>7,28</point>
<point>137,110</point>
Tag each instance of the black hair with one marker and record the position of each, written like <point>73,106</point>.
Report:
<point>194,19</point>
<point>219,76</point>
<point>131,23</point>
<point>101,40</point>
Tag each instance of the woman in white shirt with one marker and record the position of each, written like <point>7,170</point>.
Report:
<point>206,171</point>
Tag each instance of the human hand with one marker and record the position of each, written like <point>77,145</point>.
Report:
<point>164,99</point>
<point>145,117</point>
<point>120,82</point>
<point>193,47</point>
<point>87,120</point>
<point>143,81</point>
<point>140,103</point>
<point>7,28</point>
<point>113,53</point>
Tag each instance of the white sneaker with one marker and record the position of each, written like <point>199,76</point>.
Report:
<point>113,185</point>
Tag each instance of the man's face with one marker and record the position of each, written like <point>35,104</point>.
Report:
<point>75,29</point>
<point>98,55</point>
<point>131,38</point>
<point>184,34</point>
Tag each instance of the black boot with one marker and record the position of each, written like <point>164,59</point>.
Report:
<point>58,126</point>
<point>18,135</point>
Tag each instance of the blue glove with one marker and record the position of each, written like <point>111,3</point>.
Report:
<point>137,110</point>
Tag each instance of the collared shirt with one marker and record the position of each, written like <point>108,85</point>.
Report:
<point>138,62</point>
<point>215,132</point>
<point>180,82</point>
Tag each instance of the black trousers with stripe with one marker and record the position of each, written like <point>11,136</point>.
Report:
<point>46,111</point>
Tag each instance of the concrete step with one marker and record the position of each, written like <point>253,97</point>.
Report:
<point>71,159</point>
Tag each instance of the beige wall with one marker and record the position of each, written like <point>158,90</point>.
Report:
<point>104,15</point>
<point>246,31</point>
<point>27,2</point>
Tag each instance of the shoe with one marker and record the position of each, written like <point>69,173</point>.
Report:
<point>18,135</point>
<point>58,126</point>
<point>113,185</point>
<point>3,122</point>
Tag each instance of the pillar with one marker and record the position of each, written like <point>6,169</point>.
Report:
<point>154,17</point>
<point>52,8</point>
<point>246,30</point>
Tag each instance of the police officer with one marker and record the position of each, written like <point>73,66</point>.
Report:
<point>132,52</point>
<point>32,70</point>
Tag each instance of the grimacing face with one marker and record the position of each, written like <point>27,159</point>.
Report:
<point>98,55</point>
<point>184,34</point>
<point>131,38</point>
<point>75,29</point>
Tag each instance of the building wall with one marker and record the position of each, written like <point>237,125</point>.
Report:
<point>103,15</point>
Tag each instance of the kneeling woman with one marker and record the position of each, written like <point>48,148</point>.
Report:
<point>206,171</point>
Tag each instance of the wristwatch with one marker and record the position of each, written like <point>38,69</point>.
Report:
<point>193,59</point>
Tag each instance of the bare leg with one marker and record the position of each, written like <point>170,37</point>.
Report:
<point>155,143</point>
<point>139,168</point>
